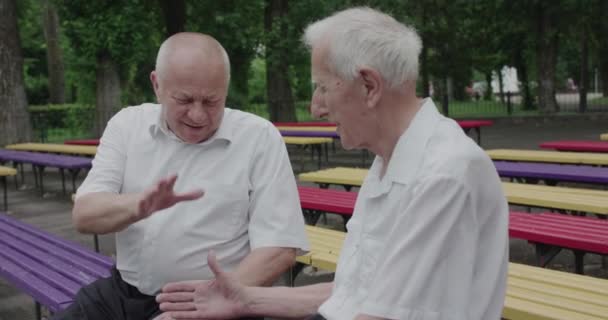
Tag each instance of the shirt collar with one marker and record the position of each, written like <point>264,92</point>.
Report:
<point>409,150</point>
<point>223,133</point>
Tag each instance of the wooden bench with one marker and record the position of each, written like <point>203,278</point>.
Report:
<point>576,145</point>
<point>532,293</point>
<point>315,202</point>
<point>54,148</point>
<point>49,269</point>
<point>573,200</point>
<point>316,144</point>
<point>597,159</point>
<point>40,161</point>
<point>548,232</point>
<point>6,172</point>
<point>551,173</point>
<point>82,142</point>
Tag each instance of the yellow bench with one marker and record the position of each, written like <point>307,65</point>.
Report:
<point>54,148</point>
<point>604,136</point>
<point>296,128</point>
<point>315,143</point>
<point>6,172</point>
<point>574,199</point>
<point>532,293</point>
<point>600,159</point>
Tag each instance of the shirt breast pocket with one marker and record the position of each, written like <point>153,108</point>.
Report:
<point>222,213</point>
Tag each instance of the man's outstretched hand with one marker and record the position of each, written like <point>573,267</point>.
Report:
<point>221,298</point>
<point>161,196</point>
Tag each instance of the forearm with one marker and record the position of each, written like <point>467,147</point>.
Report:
<point>263,266</point>
<point>285,302</point>
<point>103,212</point>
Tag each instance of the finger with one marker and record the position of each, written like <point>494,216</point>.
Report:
<point>171,181</point>
<point>183,286</point>
<point>214,266</point>
<point>175,297</point>
<point>193,195</point>
<point>177,306</point>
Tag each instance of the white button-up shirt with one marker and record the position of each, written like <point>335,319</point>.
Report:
<point>250,200</point>
<point>429,241</point>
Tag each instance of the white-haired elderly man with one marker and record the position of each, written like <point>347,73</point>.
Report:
<point>428,239</point>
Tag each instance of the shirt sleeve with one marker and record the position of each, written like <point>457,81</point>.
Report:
<point>276,218</point>
<point>425,271</point>
<point>107,172</point>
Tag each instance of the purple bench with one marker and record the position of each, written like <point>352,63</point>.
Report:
<point>49,269</point>
<point>552,173</point>
<point>40,161</point>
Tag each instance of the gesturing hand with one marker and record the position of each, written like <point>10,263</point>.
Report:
<point>221,298</point>
<point>161,196</point>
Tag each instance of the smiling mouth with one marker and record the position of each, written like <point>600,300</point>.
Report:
<point>193,127</point>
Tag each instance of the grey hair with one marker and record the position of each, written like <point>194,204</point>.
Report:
<point>363,37</point>
<point>165,49</point>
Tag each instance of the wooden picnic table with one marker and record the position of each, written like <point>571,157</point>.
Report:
<point>576,145</point>
<point>54,148</point>
<point>598,159</point>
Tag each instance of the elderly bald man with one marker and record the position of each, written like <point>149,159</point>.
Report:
<point>235,195</point>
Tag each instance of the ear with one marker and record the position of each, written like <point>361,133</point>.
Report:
<point>154,81</point>
<point>374,86</point>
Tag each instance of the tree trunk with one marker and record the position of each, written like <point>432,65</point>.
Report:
<point>527,103</point>
<point>240,65</point>
<point>584,80</point>
<point>501,90</point>
<point>487,95</point>
<point>174,12</point>
<point>278,89</point>
<point>603,44</point>
<point>14,118</point>
<point>546,57</point>
<point>107,92</point>
<point>424,57</point>
<point>54,55</point>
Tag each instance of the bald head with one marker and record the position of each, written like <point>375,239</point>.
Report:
<point>189,48</point>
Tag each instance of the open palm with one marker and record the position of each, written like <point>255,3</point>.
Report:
<point>161,196</point>
<point>222,298</point>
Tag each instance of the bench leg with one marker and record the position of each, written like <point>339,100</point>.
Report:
<point>62,172</point>
<point>96,242</point>
<point>293,273</point>
<point>545,253</point>
<point>38,311</point>
<point>5,193</point>
<point>40,177</point>
<point>74,173</point>
<point>579,261</point>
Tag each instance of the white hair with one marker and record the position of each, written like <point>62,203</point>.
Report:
<point>363,37</point>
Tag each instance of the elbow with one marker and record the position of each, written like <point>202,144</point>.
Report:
<point>79,219</point>
<point>288,257</point>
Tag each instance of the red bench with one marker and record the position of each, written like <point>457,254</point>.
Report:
<point>576,145</point>
<point>548,232</point>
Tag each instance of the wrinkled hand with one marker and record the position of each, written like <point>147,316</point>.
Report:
<point>221,298</point>
<point>161,196</point>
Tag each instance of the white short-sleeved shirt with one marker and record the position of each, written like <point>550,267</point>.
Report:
<point>429,241</point>
<point>250,199</point>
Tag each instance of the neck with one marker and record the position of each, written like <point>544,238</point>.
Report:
<point>392,121</point>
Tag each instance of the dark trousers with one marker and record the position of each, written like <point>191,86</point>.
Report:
<point>112,298</point>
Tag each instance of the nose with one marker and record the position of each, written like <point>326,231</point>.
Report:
<point>318,109</point>
<point>197,113</point>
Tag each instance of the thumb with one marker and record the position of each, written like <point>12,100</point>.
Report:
<point>214,265</point>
